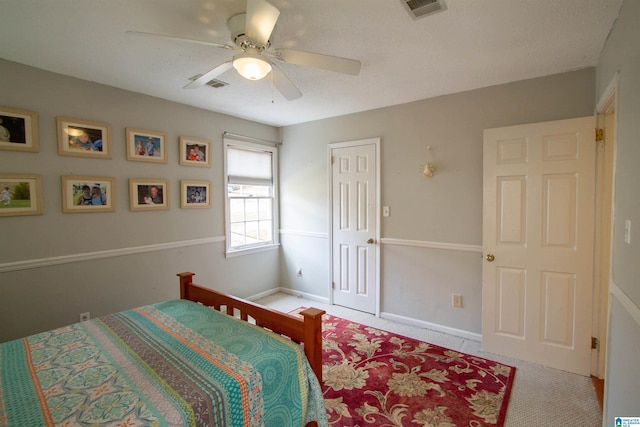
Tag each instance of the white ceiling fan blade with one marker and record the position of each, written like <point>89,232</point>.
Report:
<point>182,39</point>
<point>210,75</point>
<point>260,20</point>
<point>284,85</point>
<point>318,60</point>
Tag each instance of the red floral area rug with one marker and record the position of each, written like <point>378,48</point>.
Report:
<point>373,377</point>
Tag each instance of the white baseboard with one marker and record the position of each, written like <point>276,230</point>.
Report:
<point>433,326</point>
<point>288,291</point>
<point>384,315</point>
<point>304,295</point>
<point>263,294</point>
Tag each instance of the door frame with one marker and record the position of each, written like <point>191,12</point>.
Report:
<point>330,148</point>
<point>606,163</point>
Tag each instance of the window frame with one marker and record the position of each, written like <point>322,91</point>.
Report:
<point>259,147</point>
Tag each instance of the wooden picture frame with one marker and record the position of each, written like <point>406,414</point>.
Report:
<point>20,194</point>
<point>195,194</point>
<point>83,138</point>
<point>148,194</point>
<point>18,130</point>
<point>195,152</point>
<point>146,145</point>
<point>88,194</point>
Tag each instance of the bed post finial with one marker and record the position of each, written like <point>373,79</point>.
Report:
<point>186,279</point>
<point>313,338</point>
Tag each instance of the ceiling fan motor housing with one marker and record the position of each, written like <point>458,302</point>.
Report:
<point>236,25</point>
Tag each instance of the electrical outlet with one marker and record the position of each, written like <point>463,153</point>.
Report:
<point>85,316</point>
<point>299,272</point>
<point>456,300</point>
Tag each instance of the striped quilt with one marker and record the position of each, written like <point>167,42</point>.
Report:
<point>176,363</point>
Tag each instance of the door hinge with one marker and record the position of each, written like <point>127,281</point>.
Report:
<point>599,134</point>
<point>333,285</point>
<point>594,343</point>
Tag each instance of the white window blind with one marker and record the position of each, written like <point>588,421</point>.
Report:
<point>246,166</point>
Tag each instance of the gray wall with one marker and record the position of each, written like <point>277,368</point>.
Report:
<point>416,282</point>
<point>146,248</point>
<point>621,54</point>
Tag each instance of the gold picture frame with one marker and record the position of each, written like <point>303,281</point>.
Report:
<point>88,194</point>
<point>146,145</point>
<point>148,194</point>
<point>83,138</point>
<point>195,152</point>
<point>18,130</point>
<point>195,194</point>
<point>20,194</point>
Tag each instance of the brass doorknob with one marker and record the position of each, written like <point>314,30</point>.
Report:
<point>371,241</point>
<point>490,257</point>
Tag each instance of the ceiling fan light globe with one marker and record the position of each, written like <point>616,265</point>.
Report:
<point>251,67</point>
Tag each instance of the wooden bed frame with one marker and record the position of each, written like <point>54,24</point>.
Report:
<point>306,330</point>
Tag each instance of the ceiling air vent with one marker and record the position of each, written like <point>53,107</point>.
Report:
<point>215,83</point>
<point>418,8</point>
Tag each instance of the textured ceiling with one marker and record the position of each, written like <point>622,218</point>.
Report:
<point>471,44</point>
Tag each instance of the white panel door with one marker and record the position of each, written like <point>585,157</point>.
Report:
<point>537,284</point>
<point>354,225</point>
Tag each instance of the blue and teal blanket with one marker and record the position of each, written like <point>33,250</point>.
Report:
<point>176,363</point>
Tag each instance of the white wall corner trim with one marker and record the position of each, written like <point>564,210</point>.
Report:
<point>626,302</point>
<point>66,259</point>
<point>395,242</point>
<point>432,245</point>
<point>604,105</point>
<point>305,233</point>
<point>432,326</point>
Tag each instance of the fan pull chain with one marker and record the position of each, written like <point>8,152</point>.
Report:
<point>273,101</point>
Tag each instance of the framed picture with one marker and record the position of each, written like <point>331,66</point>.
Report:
<point>195,194</point>
<point>195,151</point>
<point>146,146</point>
<point>83,138</point>
<point>88,194</point>
<point>20,194</point>
<point>148,194</point>
<point>18,130</point>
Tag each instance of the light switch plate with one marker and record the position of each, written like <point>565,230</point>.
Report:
<point>627,231</point>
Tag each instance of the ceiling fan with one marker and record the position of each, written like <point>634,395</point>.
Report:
<point>250,33</point>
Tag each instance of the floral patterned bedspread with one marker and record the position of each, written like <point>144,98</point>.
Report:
<point>169,364</point>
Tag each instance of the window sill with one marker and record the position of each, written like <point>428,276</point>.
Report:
<point>253,250</point>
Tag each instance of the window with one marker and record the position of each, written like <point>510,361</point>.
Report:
<point>251,199</point>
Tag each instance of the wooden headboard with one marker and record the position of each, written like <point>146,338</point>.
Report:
<point>306,330</point>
